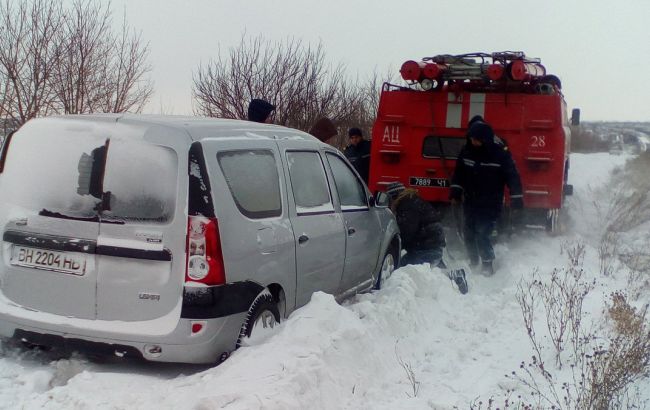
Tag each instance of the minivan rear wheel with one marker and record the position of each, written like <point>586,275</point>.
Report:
<point>263,316</point>
<point>387,267</point>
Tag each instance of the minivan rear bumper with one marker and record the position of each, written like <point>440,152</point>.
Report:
<point>218,335</point>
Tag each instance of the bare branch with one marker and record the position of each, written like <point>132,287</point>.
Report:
<point>28,54</point>
<point>68,60</point>
<point>294,76</point>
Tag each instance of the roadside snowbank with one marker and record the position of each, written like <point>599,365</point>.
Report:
<point>330,356</point>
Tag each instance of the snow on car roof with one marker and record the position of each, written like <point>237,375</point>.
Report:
<point>199,128</point>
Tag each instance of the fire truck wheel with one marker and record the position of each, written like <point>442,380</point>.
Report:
<point>388,265</point>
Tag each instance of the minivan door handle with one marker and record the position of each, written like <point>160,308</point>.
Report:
<point>351,231</point>
<point>302,239</point>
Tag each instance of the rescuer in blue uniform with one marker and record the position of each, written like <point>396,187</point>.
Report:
<point>358,153</point>
<point>484,167</point>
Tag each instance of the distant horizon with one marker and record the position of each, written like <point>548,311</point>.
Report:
<point>617,122</point>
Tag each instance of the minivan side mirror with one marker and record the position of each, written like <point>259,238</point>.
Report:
<point>381,199</point>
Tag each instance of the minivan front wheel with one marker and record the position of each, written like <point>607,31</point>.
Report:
<point>262,317</point>
<point>388,265</point>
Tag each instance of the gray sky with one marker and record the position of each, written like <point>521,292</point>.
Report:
<point>599,49</point>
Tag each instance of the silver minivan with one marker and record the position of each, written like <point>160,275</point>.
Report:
<point>177,238</point>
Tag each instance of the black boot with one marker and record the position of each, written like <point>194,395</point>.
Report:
<point>458,276</point>
<point>487,268</point>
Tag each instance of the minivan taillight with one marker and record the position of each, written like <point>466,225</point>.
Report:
<point>204,256</point>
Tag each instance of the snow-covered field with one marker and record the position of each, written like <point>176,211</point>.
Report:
<point>358,355</point>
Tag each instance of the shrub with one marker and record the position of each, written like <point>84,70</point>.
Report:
<point>603,368</point>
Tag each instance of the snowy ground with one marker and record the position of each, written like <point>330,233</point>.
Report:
<point>328,356</point>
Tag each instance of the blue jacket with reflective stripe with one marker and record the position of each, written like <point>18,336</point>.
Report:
<point>480,177</point>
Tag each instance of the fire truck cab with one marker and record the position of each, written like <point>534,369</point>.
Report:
<point>421,127</point>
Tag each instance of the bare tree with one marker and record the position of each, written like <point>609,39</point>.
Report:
<point>101,71</point>
<point>78,79</point>
<point>68,60</point>
<point>365,111</point>
<point>126,82</point>
<point>28,54</point>
<point>295,77</point>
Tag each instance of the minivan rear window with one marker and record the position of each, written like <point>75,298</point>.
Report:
<point>41,172</point>
<point>142,179</point>
<point>253,180</point>
<point>44,171</point>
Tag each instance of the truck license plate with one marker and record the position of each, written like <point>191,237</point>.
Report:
<point>66,262</point>
<point>429,182</point>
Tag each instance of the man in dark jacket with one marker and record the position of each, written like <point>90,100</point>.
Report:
<point>483,168</point>
<point>419,223</point>
<point>260,110</point>
<point>358,153</point>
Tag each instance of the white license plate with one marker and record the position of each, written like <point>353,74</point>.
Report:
<point>66,262</point>
<point>429,182</point>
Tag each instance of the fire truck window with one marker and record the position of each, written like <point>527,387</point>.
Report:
<point>352,194</point>
<point>438,147</point>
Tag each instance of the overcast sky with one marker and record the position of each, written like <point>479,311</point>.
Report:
<point>599,49</point>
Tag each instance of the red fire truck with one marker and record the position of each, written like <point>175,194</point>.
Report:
<point>420,128</point>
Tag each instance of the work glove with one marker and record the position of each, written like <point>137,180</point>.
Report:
<point>516,213</point>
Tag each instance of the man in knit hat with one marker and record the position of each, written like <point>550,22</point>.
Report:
<point>419,223</point>
<point>483,168</point>
<point>260,110</point>
<point>423,238</point>
<point>358,153</point>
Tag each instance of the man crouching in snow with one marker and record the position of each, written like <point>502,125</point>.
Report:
<point>419,223</point>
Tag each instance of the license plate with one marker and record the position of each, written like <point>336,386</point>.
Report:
<point>66,262</point>
<point>429,182</point>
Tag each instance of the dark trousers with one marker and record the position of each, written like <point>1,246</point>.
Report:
<point>478,232</point>
<point>416,257</point>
